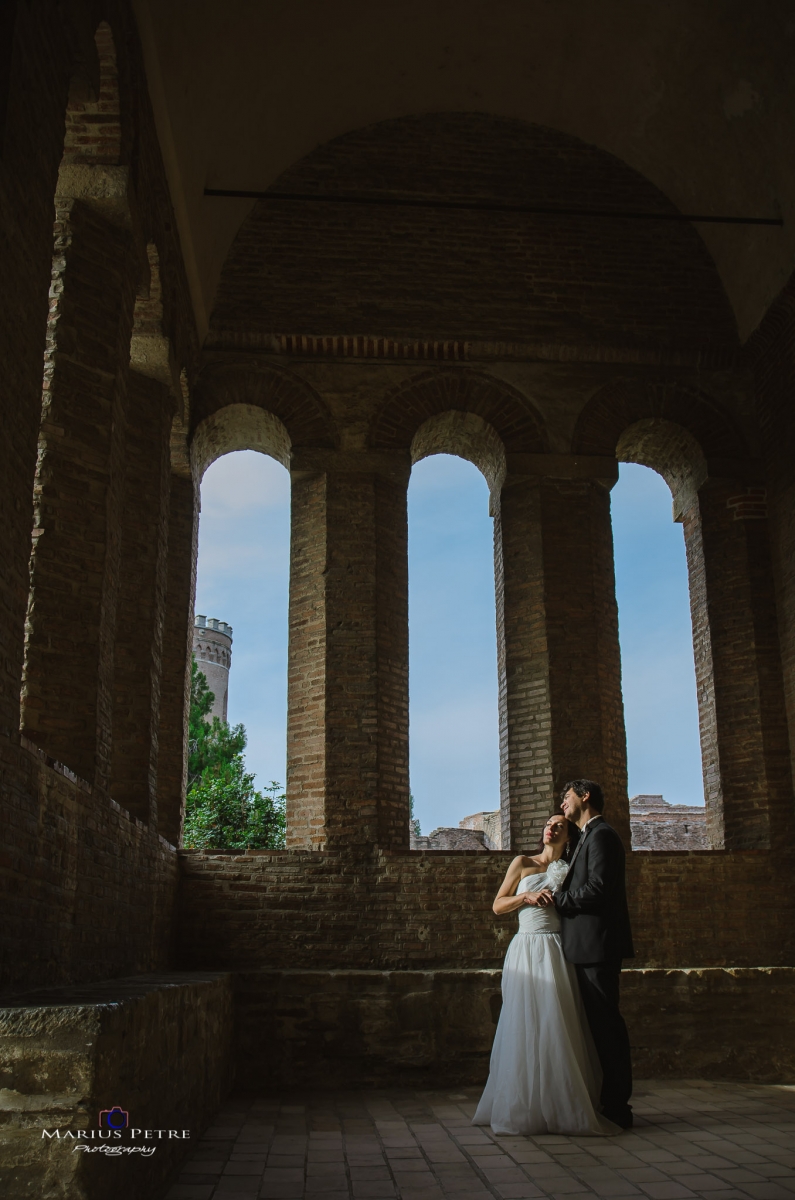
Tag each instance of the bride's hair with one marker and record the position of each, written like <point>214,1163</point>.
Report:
<point>571,842</point>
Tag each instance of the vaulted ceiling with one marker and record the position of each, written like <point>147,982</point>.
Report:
<point>695,100</point>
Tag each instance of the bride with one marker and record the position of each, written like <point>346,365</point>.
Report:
<point>545,1075</point>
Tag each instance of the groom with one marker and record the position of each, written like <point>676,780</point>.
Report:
<point>595,932</point>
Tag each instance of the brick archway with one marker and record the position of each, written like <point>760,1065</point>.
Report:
<point>280,393</point>
<point>624,402</point>
<point>427,395</point>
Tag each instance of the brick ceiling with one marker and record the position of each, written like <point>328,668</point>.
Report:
<point>697,98</point>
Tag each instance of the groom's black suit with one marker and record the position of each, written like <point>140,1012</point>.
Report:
<point>596,935</point>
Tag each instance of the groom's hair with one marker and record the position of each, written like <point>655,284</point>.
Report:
<point>596,797</point>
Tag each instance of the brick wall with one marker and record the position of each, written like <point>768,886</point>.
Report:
<point>435,1028</point>
<point>88,891</point>
<point>771,353</point>
<point>753,749</point>
<point>143,583</point>
<point>658,825</point>
<point>35,102</point>
<point>433,909</point>
<point>303,268</point>
<point>183,536</point>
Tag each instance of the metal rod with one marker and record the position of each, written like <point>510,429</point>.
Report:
<point>489,206</point>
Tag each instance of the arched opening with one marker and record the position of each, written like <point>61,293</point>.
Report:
<point>668,693</point>
<point>453,692</point>
<point>655,634</point>
<point>241,622</point>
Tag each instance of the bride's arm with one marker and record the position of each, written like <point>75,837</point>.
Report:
<point>507,901</point>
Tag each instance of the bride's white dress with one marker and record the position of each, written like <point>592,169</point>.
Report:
<point>545,1075</point>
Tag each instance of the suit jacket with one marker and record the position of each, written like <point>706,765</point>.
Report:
<point>592,900</point>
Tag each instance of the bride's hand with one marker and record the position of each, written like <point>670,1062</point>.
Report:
<point>540,899</point>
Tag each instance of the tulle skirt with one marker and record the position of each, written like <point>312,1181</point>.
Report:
<point>545,1075</point>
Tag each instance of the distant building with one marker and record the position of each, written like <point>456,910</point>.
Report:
<point>212,649</point>
<point>450,837</point>
<point>655,825</point>
<point>658,825</point>
<point>481,831</point>
<point>491,825</point>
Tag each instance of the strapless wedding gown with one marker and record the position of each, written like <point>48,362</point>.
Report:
<point>545,1075</point>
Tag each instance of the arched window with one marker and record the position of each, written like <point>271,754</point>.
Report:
<point>453,706</point>
<point>242,579</point>
<point>655,632</point>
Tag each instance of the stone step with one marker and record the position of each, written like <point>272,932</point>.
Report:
<point>155,1046</point>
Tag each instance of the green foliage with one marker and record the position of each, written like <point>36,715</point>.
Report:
<point>225,812</point>
<point>212,745</point>
<point>414,822</point>
<point>223,809</point>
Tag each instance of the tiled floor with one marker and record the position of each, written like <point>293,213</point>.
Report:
<point>718,1141</point>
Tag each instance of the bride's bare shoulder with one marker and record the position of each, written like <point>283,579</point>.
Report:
<point>530,866</point>
<point>526,865</point>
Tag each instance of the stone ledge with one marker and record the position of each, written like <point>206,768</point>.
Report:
<point>370,1028</point>
<point>156,1045</point>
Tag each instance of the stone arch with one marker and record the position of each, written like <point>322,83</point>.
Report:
<point>468,436</point>
<point>238,427</point>
<point>672,452</point>
<point>672,430</point>
<point>624,402</point>
<point>93,134</point>
<point>501,406</point>
<point>260,386</point>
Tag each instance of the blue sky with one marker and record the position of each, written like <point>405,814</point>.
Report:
<point>243,579</point>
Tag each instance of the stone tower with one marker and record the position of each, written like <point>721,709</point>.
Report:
<point>212,648</point>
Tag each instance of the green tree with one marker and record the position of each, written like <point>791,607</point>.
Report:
<point>211,744</point>
<point>223,809</point>
<point>226,812</point>
<point>414,822</point>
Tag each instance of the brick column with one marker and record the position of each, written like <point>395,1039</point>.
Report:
<point>32,43</point>
<point>68,677</point>
<point>705,675</point>
<point>142,593</point>
<point>526,779</point>
<point>347,739</point>
<point>183,533</point>
<point>560,665</point>
<point>747,767</point>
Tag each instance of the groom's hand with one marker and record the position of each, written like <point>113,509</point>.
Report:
<point>539,899</point>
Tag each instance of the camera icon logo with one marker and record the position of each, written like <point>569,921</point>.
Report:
<point>114,1118</point>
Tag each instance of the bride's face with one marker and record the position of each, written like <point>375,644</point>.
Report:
<point>556,832</point>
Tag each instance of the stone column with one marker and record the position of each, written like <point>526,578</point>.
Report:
<point>560,666</point>
<point>183,534</point>
<point>68,678</point>
<point>748,779</point>
<point>347,739</point>
<point>142,594</point>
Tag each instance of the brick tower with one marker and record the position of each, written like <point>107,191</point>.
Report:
<point>212,648</point>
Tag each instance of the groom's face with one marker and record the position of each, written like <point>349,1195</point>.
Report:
<point>572,805</point>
